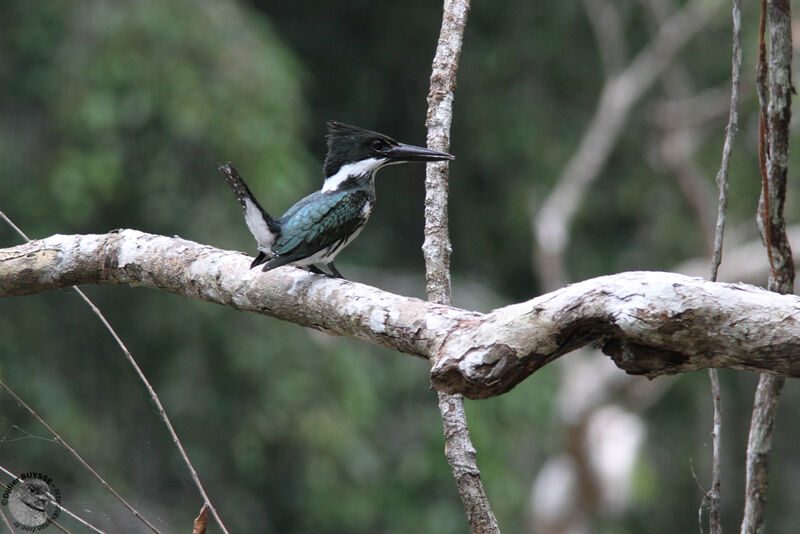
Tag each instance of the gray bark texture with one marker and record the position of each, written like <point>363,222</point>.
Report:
<point>650,323</point>
<point>460,453</point>
<point>775,158</point>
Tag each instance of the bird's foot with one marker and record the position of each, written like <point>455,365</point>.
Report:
<point>333,274</point>
<point>316,270</point>
<point>335,271</point>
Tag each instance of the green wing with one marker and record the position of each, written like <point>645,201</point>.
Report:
<point>319,221</point>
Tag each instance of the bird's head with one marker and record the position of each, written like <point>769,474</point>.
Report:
<point>366,151</point>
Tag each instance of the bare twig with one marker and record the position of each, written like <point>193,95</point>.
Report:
<point>57,436</point>
<point>6,521</point>
<point>459,450</point>
<point>704,501</point>
<point>774,137</point>
<point>59,527</point>
<point>14,226</point>
<point>730,133</point>
<point>153,396</point>
<point>77,456</point>
<point>77,518</point>
<point>744,261</point>
<point>714,514</point>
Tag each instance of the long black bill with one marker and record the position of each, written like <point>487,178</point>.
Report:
<point>403,152</point>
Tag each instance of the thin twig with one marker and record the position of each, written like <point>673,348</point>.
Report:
<point>57,436</point>
<point>703,501</point>
<point>59,526</point>
<point>153,396</point>
<point>6,521</point>
<point>459,450</point>
<point>77,456</point>
<point>714,513</point>
<point>14,226</point>
<point>730,134</point>
<point>73,516</point>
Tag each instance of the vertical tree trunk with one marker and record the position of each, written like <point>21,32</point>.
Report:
<point>774,155</point>
<point>459,450</point>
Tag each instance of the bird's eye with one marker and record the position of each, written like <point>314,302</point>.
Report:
<point>378,144</point>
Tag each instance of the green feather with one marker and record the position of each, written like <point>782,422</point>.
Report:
<point>319,221</point>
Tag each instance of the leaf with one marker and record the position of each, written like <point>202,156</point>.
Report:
<point>201,521</point>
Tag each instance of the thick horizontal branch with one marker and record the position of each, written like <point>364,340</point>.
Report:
<point>650,323</point>
<point>175,265</point>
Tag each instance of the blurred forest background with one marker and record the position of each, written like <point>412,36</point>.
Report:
<point>115,114</point>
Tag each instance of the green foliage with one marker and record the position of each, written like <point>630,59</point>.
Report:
<point>129,107</point>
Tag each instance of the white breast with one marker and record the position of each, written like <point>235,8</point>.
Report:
<point>327,255</point>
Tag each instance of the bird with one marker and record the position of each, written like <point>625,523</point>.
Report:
<point>316,228</point>
<point>28,502</point>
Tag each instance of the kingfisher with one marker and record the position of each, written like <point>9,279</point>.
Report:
<point>313,231</point>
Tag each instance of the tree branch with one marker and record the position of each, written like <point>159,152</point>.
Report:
<point>774,159</point>
<point>175,265</point>
<point>779,114</point>
<point>714,507</point>
<point>650,323</point>
<point>436,249</point>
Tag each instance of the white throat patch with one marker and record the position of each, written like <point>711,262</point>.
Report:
<point>358,168</point>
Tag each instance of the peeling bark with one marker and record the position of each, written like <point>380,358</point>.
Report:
<point>776,113</point>
<point>650,323</point>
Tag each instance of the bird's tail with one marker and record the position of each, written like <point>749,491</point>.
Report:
<point>263,227</point>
